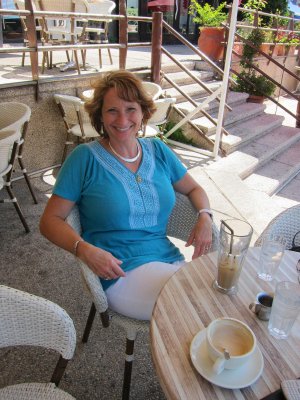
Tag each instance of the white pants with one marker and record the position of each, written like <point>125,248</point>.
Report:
<point>135,294</point>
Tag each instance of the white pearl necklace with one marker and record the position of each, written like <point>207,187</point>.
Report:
<point>129,160</point>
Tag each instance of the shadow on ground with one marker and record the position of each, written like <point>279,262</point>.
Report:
<point>31,263</point>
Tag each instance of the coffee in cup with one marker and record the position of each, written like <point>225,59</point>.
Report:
<point>230,343</point>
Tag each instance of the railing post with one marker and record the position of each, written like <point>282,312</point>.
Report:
<point>156,47</point>
<point>32,41</point>
<point>123,35</point>
<point>298,114</point>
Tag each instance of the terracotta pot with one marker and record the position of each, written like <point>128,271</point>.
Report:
<point>211,42</point>
<point>280,49</point>
<point>265,47</point>
<point>238,48</point>
<point>255,99</point>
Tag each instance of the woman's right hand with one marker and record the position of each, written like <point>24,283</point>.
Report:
<point>101,262</point>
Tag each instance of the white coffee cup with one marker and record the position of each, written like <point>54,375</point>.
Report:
<point>230,343</point>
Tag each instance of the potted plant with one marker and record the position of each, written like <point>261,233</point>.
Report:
<point>249,80</point>
<point>132,26</point>
<point>290,41</point>
<point>209,18</point>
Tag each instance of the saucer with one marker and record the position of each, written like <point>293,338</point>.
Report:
<point>239,378</point>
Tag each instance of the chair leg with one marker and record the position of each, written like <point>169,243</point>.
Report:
<point>128,366</point>
<point>18,209</point>
<point>77,62</point>
<point>20,161</point>
<point>110,57</point>
<point>89,324</point>
<point>100,58</point>
<point>27,178</point>
<point>59,370</point>
<point>23,59</point>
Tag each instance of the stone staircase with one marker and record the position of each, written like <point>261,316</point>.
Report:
<point>259,149</point>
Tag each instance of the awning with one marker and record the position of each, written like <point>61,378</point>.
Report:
<point>161,5</point>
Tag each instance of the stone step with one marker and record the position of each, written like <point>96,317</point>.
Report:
<point>255,206</point>
<point>172,67</point>
<point>240,113</point>
<point>289,191</point>
<point>245,132</point>
<point>192,90</point>
<point>181,78</point>
<point>233,99</point>
<point>278,171</point>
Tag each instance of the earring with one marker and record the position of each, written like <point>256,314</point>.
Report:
<point>140,132</point>
<point>101,130</point>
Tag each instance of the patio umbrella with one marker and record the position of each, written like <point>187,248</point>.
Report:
<point>294,8</point>
<point>161,5</point>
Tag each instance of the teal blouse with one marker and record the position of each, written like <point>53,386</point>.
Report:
<point>123,212</point>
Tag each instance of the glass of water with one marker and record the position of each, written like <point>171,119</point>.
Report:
<point>285,309</point>
<point>271,254</point>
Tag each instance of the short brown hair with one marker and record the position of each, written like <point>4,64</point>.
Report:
<point>129,88</point>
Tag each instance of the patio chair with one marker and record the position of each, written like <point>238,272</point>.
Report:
<point>20,5</point>
<point>153,89</point>
<point>180,224</point>
<point>76,120</point>
<point>99,26</point>
<point>16,116</point>
<point>60,31</point>
<point>156,124</point>
<point>286,224</point>
<point>9,146</point>
<point>28,320</point>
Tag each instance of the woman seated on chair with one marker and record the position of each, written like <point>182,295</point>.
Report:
<point>124,188</point>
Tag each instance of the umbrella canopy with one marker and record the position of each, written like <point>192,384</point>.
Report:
<point>161,5</point>
<point>294,7</point>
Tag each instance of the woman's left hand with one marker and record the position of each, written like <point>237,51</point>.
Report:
<point>201,235</point>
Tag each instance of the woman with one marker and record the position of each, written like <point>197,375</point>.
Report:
<point>124,188</point>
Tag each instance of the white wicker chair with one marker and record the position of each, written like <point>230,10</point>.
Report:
<point>153,89</point>
<point>286,224</point>
<point>9,145</point>
<point>180,224</point>
<point>99,26</point>
<point>16,116</point>
<point>155,125</point>
<point>28,320</point>
<point>76,120</point>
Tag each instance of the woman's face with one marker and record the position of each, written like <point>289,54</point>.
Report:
<point>121,119</point>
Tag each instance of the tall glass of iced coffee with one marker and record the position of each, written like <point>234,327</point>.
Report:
<point>235,236</point>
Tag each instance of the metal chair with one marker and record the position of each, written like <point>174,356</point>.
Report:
<point>99,26</point>
<point>16,116</point>
<point>180,224</point>
<point>286,224</point>
<point>28,320</point>
<point>9,146</point>
<point>76,120</point>
<point>156,124</point>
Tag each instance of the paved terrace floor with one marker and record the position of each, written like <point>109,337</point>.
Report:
<point>29,262</point>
